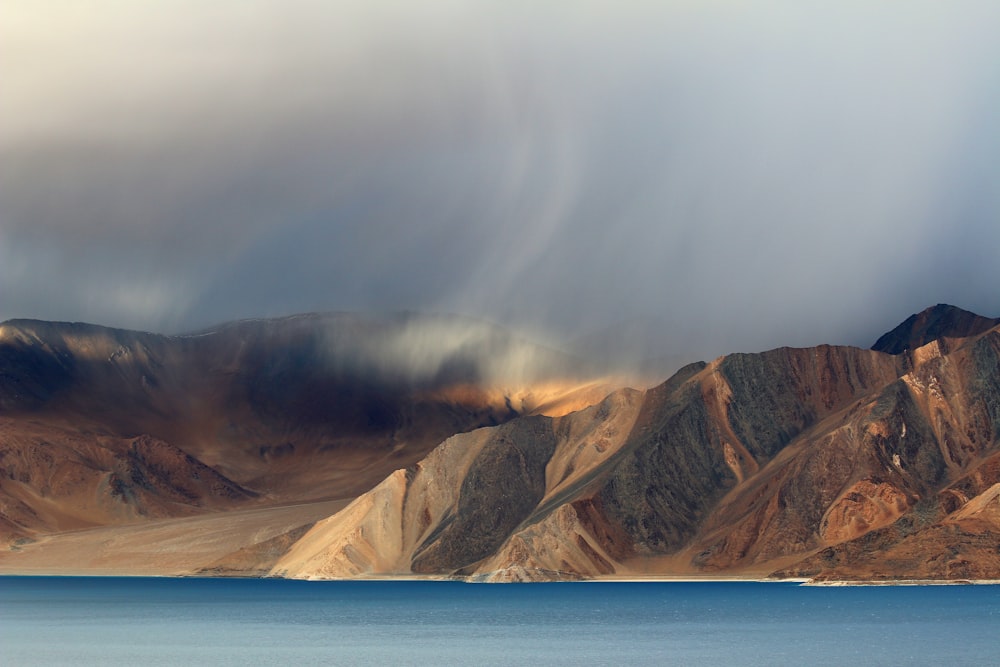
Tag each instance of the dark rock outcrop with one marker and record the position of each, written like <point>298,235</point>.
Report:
<point>827,462</point>
<point>833,458</point>
<point>934,323</point>
<point>292,409</point>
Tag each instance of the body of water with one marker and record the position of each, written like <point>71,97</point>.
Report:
<point>161,621</point>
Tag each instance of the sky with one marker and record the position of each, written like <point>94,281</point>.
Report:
<point>731,176</point>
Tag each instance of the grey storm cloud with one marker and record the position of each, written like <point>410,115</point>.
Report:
<point>745,175</point>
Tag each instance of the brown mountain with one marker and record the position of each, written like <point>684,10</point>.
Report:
<point>102,426</point>
<point>828,462</point>
<point>825,462</point>
<point>935,323</point>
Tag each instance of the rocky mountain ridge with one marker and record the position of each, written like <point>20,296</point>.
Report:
<point>298,409</point>
<point>825,462</point>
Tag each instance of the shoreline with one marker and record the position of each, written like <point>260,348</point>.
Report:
<point>663,579</point>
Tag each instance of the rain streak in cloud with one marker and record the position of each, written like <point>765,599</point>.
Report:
<point>715,176</point>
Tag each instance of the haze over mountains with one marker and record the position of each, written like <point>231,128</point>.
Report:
<point>104,426</point>
<point>345,446</point>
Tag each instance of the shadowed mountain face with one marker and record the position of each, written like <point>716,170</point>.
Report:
<point>811,462</point>
<point>936,323</point>
<point>101,425</point>
<point>826,462</point>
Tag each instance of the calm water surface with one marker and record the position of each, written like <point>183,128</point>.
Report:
<point>100,621</point>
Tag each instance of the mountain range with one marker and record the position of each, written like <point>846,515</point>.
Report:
<point>342,445</point>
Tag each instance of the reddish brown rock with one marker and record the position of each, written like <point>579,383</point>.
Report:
<point>826,462</point>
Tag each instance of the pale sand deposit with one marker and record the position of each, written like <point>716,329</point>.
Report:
<point>168,547</point>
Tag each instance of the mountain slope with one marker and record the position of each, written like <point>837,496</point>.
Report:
<point>751,464</point>
<point>935,323</point>
<point>101,426</point>
<point>458,506</point>
<point>467,459</point>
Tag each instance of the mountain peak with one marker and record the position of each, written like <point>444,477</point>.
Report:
<point>936,322</point>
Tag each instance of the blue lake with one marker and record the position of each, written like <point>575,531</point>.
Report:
<point>149,621</point>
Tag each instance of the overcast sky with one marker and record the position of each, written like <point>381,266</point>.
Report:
<point>750,174</point>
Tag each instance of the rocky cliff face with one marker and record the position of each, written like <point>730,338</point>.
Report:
<point>934,324</point>
<point>103,426</point>
<point>826,462</point>
<point>471,500</point>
